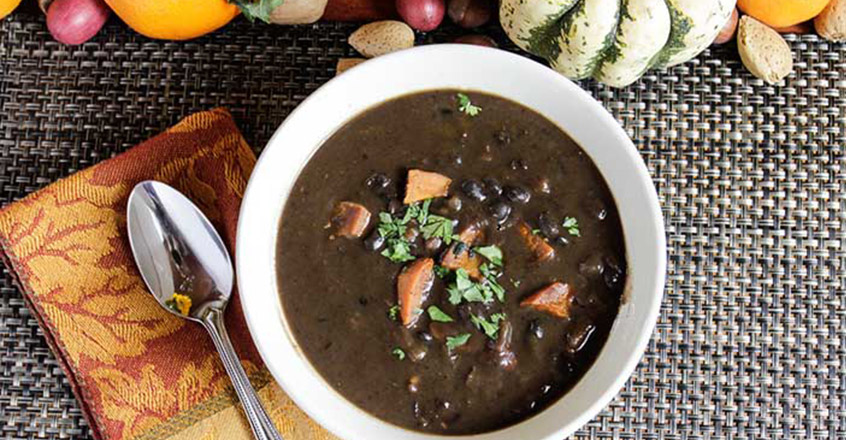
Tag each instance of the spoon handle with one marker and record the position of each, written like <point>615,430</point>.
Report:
<point>260,423</point>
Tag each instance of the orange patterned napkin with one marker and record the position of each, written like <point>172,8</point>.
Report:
<point>138,371</point>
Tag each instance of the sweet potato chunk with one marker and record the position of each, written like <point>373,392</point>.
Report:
<point>554,299</point>
<point>471,234</point>
<point>413,285</point>
<point>350,220</point>
<point>424,185</point>
<point>536,244</point>
<point>457,256</point>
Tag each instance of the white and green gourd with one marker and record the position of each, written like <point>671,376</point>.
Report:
<point>614,41</point>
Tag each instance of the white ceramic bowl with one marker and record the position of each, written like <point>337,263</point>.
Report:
<point>476,69</point>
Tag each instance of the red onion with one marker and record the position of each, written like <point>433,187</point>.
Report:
<point>729,30</point>
<point>423,15</point>
<point>76,21</point>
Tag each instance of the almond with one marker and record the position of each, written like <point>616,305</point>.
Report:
<point>831,23</point>
<point>345,64</point>
<point>298,11</point>
<point>381,37</point>
<point>763,51</point>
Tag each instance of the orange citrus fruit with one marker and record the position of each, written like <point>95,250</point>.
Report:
<point>174,19</point>
<point>782,13</point>
<point>7,6</point>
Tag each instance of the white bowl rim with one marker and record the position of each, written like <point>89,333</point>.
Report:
<point>256,266</point>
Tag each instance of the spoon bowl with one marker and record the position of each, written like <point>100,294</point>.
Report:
<point>177,250</point>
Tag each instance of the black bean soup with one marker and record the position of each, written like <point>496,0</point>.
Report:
<point>450,262</point>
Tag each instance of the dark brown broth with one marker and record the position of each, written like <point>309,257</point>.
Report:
<point>336,294</point>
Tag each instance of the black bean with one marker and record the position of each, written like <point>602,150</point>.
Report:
<point>536,329</point>
<point>613,274</point>
<point>492,186</point>
<point>374,241</point>
<point>517,194</point>
<point>394,206</point>
<point>474,190</point>
<point>499,211</point>
<point>363,301</point>
<point>433,244</point>
<point>425,337</point>
<point>503,137</point>
<point>454,203</point>
<point>562,241</point>
<point>548,226</point>
<point>592,266</point>
<point>378,182</point>
<point>541,185</point>
<point>519,165</point>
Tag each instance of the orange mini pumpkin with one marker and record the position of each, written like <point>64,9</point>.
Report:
<point>174,19</point>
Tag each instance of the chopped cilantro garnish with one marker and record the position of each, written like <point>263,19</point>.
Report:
<point>536,231</point>
<point>393,312</point>
<point>492,253</point>
<point>398,353</point>
<point>516,283</point>
<point>436,314</point>
<point>437,226</point>
<point>398,251</point>
<point>441,272</point>
<point>489,327</point>
<point>466,106</point>
<point>453,342</point>
<point>572,226</point>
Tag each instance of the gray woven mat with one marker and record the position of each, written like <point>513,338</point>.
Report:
<point>750,343</point>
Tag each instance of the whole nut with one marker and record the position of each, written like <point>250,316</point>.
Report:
<point>476,39</point>
<point>381,37</point>
<point>470,13</point>
<point>763,51</point>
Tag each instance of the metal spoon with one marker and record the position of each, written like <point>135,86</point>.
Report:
<point>179,252</point>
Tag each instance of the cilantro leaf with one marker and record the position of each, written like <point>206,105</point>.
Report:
<point>393,312</point>
<point>438,315</point>
<point>398,353</point>
<point>441,272</point>
<point>398,251</point>
<point>437,226</point>
<point>492,253</point>
<point>260,9</point>
<point>453,342</point>
<point>466,106</point>
<point>489,326</point>
<point>572,226</point>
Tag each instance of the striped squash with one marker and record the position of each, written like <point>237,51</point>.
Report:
<point>613,41</point>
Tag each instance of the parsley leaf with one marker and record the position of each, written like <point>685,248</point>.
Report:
<point>260,9</point>
<point>393,312</point>
<point>398,251</point>
<point>466,106</point>
<point>438,315</point>
<point>437,226</point>
<point>398,353</point>
<point>572,226</point>
<point>490,328</point>
<point>453,342</point>
<point>492,253</point>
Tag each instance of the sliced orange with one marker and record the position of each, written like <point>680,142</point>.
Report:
<point>782,13</point>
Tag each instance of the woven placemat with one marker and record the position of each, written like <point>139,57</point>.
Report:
<point>752,178</point>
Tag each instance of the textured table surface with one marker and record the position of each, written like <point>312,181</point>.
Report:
<point>751,342</point>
